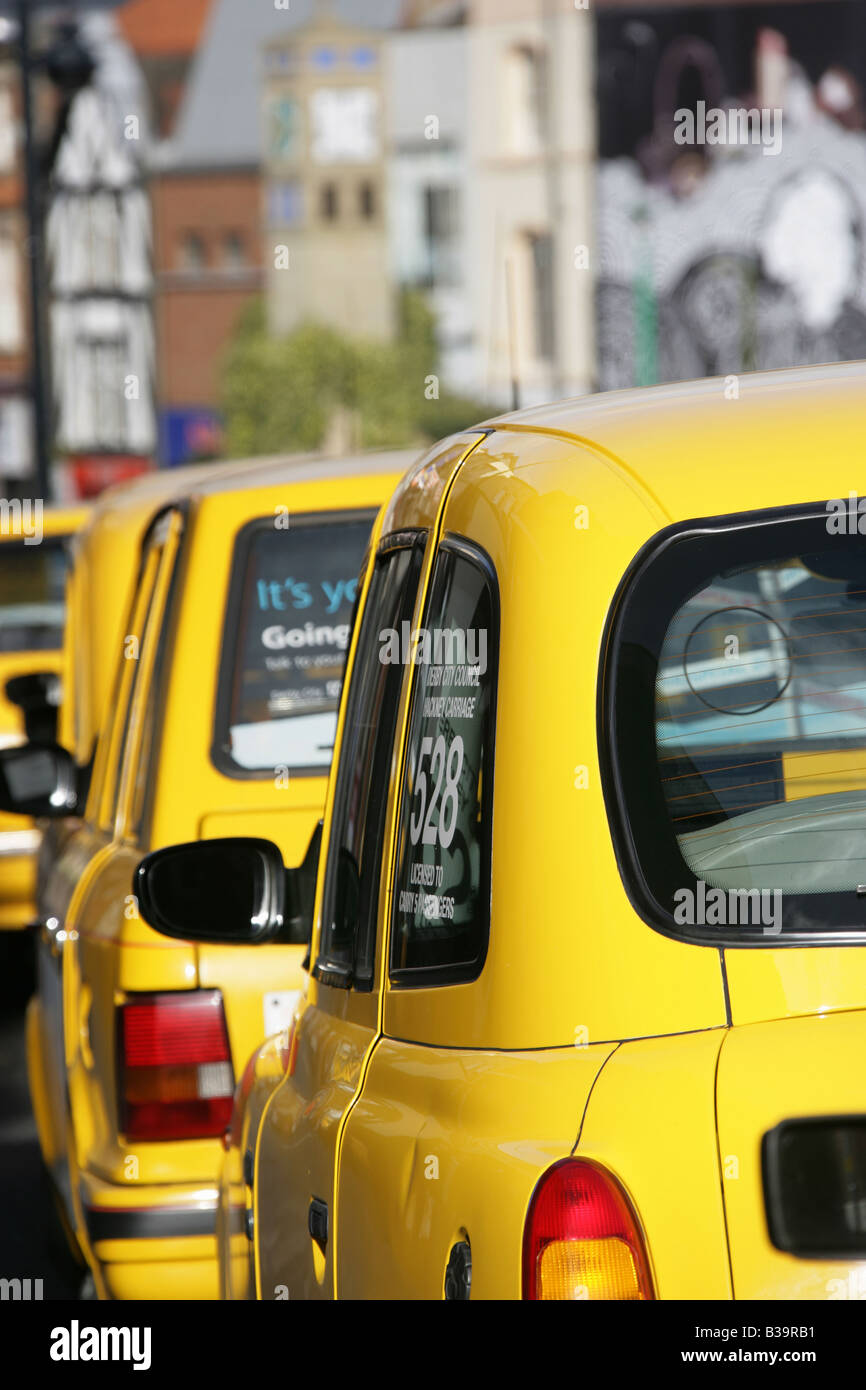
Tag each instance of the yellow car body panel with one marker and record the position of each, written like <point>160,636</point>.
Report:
<point>772,984</point>
<point>651,1122</point>
<point>137,1207</point>
<point>434,1132</point>
<point>263,1073</point>
<point>770,1072</point>
<point>19,838</point>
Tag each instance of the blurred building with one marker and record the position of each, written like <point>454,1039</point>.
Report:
<point>513,159</point>
<point>92,150</point>
<point>431,194</point>
<point>325,159</point>
<point>485,157</point>
<point>329,154</point>
<point>98,258</point>
<point>211,213</point>
<point>164,35</point>
<point>204,205</point>
<point>16,451</point>
<point>532,134</point>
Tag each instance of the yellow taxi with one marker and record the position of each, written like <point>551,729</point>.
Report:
<point>221,717</point>
<point>34,557</point>
<point>103,563</point>
<point>105,556</point>
<point>588,969</point>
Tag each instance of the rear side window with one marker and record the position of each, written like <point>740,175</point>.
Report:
<point>441,895</point>
<point>32,582</point>
<point>143,630</point>
<point>737,709</point>
<point>350,903</point>
<point>287,634</point>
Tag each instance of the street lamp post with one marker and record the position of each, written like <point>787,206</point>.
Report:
<point>36,262</point>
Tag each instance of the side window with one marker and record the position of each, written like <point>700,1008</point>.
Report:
<point>143,763</point>
<point>144,619</point>
<point>134,770</point>
<point>441,898</point>
<point>112,732</point>
<point>361,794</point>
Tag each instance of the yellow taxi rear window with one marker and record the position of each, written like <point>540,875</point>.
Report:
<point>287,636</point>
<point>738,711</point>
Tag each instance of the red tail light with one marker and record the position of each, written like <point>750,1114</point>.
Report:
<point>582,1239</point>
<point>175,1071</point>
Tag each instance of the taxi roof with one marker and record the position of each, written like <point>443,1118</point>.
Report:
<point>301,468</point>
<point>126,503</point>
<point>718,445</point>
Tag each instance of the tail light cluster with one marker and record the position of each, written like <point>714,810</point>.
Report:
<point>582,1239</point>
<point>175,1072</point>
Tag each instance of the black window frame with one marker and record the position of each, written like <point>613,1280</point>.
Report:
<point>360,975</point>
<point>241,551</point>
<point>643,838</point>
<point>461,972</point>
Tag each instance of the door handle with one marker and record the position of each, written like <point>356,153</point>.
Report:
<point>317,1222</point>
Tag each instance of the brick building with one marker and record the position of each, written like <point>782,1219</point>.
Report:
<point>201,229</point>
<point>210,212</point>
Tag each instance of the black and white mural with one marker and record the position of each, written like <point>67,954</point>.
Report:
<point>720,255</point>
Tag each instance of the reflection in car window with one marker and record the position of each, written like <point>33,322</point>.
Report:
<point>441,899</point>
<point>361,795</point>
<point>736,701</point>
<point>761,726</point>
<point>32,579</point>
<point>287,636</point>
<point>146,766</point>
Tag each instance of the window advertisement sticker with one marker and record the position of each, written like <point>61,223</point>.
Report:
<point>441,896</point>
<point>287,658</point>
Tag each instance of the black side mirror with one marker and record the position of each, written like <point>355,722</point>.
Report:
<point>231,890</point>
<point>38,697</point>
<point>214,890</point>
<point>39,779</point>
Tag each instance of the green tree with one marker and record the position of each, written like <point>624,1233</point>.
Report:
<point>281,394</point>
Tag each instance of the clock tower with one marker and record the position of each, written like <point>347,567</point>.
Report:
<point>326,249</point>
